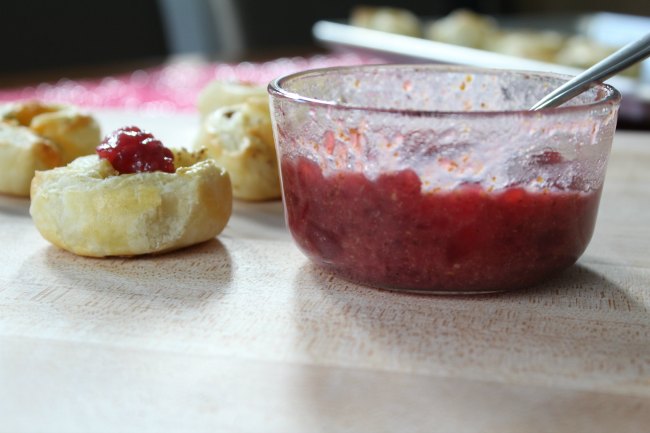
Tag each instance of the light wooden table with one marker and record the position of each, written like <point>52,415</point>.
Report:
<point>242,334</point>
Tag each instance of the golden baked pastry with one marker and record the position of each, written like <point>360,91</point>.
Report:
<point>537,45</point>
<point>582,52</point>
<point>90,209</point>
<point>469,29</point>
<point>240,138</point>
<point>463,27</point>
<point>219,94</point>
<point>35,136</point>
<point>22,153</point>
<point>386,19</point>
<point>73,132</point>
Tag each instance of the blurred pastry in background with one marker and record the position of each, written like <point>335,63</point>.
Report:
<point>463,27</point>
<point>37,136</point>
<point>469,29</point>
<point>75,133</point>
<point>466,28</point>
<point>236,132</point>
<point>536,45</point>
<point>22,152</point>
<point>219,94</point>
<point>582,52</point>
<point>385,19</point>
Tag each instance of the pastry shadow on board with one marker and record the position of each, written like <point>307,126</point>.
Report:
<point>11,205</point>
<point>266,213</point>
<point>257,221</point>
<point>188,277</point>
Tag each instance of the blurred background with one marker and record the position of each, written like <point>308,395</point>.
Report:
<point>42,34</point>
<point>48,41</point>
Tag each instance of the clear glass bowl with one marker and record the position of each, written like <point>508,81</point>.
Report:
<point>438,179</point>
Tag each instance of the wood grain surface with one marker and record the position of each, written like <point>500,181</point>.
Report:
<point>243,334</point>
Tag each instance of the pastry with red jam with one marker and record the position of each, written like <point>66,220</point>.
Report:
<point>134,197</point>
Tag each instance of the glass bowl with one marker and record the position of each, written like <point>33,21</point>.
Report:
<point>438,179</point>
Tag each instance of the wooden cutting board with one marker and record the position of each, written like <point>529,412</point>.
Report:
<point>242,333</point>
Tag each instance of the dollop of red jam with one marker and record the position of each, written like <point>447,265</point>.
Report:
<point>132,150</point>
<point>386,232</point>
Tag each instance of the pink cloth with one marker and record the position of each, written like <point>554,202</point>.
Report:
<point>172,87</point>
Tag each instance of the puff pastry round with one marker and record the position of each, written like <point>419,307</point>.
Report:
<point>22,152</point>
<point>90,209</point>
<point>35,136</point>
<point>240,138</point>
<point>219,94</point>
<point>463,27</point>
<point>74,132</point>
<point>386,19</point>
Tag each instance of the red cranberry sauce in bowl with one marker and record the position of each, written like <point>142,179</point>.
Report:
<point>438,179</point>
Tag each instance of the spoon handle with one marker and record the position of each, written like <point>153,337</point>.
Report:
<point>610,65</point>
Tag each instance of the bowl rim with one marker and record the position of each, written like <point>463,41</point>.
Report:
<point>275,89</point>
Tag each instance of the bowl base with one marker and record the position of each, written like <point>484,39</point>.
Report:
<point>444,292</point>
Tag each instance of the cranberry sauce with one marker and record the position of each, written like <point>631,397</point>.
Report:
<point>387,233</point>
<point>131,150</point>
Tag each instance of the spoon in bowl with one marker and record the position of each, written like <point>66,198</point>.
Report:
<point>628,55</point>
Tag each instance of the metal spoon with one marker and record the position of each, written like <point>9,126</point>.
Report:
<point>610,65</point>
